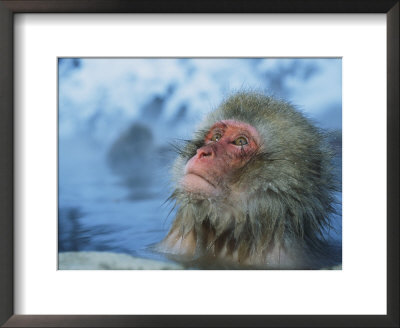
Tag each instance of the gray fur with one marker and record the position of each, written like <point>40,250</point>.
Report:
<point>289,187</point>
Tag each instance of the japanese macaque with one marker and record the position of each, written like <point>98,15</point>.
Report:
<point>254,189</point>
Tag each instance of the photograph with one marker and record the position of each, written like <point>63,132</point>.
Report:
<point>199,163</point>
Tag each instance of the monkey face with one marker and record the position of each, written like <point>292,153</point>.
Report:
<point>228,146</point>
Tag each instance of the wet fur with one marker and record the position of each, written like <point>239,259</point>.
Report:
<point>280,218</point>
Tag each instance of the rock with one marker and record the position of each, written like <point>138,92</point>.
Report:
<point>109,261</point>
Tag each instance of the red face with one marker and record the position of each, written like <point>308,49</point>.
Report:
<point>228,146</point>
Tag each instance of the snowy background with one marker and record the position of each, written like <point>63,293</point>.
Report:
<point>118,117</point>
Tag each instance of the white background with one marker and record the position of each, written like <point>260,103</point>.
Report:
<point>360,288</point>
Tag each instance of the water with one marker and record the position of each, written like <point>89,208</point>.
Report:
<point>99,212</point>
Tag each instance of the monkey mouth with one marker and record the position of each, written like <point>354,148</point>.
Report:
<point>196,183</point>
<point>202,177</point>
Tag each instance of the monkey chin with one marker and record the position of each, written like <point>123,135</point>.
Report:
<point>196,184</point>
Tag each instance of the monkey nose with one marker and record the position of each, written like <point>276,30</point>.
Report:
<point>204,152</point>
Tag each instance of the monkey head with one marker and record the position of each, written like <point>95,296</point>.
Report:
<point>254,181</point>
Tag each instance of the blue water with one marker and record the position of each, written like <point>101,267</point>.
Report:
<point>98,212</point>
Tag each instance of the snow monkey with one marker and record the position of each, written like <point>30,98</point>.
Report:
<point>254,189</point>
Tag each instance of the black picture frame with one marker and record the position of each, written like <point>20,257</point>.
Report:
<point>10,7</point>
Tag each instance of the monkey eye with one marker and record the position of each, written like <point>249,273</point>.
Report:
<point>241,141</point>
<point>216,137</point>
